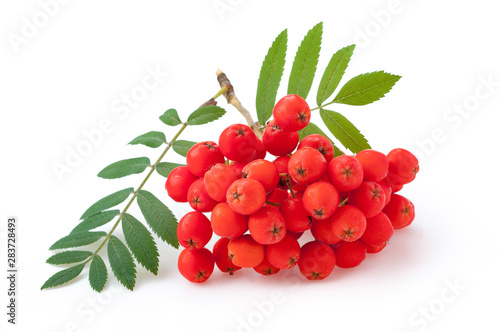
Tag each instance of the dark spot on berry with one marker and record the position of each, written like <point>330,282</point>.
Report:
<point>318,213</point>
<point>347,172</point>
<point>302,117</point>
<point>310,220</point>
<point>348,233</point>
<point>322,150</point>
<point>301,171</point>
<point>282,182</point>
<point>236,195</point>
<point>268,271</point>
<point>244,175</point>
<point>375,193</point>
<point>315,275</point>
<point>191,243</point>
<point>240,131</point>
<point>209,146</point>
<point>275,230</point>
<point>275,127</point>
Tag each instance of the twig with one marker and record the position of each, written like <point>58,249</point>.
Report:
<point>233,100</point>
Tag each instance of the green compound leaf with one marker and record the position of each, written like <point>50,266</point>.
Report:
<point>107,202</point>
<point>344,131</point>
<point>121,262</point>
<point>314,129</point>
<point>366,88</point>
<point>171,118</point>
<point>125,167</point>
<point>205,114</point>
<point>98,274</point>
<point>306,60</point>
<point>97,220</point>
<point>141,243</point>
<point>64,276</point>
<point>182,147</point>
<point>152,139</point>
<point>165,168</point>
<point>68,257</point>
<point>77,239</point>
<point>159,217</point>
<point>334,73</point>
<point>270,77</point>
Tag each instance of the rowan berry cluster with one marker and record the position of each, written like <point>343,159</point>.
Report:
<point>260,209</point>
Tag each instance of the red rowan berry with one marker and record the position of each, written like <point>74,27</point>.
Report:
<point>202,156</point>
<point>317,260</point>
<point>238,142</point>
<point>292,113</point>
<point>194,230</point>
<point>246,196</point>
<point>196,265</point>
<point>178,182</point>
<point>245,252</point>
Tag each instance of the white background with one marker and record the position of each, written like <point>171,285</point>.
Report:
<point>71,73</point>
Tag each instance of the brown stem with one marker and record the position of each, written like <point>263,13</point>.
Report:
<point>233,100</point>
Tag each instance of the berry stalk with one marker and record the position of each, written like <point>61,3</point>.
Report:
<point>233,100</point>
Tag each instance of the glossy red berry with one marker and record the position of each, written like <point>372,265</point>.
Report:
<point>263,171</point>
<point>345,173</point>
<point>194,230</point>
<point>246,196</point>
<point>321,200</point>
<point>317,260</point>
<point>306,165</point>
<point>267,226</point>
<point>320,143</point>
<point>403,167</point>
<point>349,254</point>
<point>245,251</point>
<point>221,256</point>
<point>202,156</point>
<point>198,197</point>
<point>218,179</point>
<point>266,268</point>
<point>238,142</point>
<point>348,223</point>
<point>375,165</point>
<point>284,254</point>
<point>321,230</point>
<point>296,217</point>
<point>196,265</point>
<point>369,197</point>
<point>277,141</point>
<point>178,182</point>
<point>378,230</point>
<point>400,211</point>
<point>292,113</point>
<point>227,223</point>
